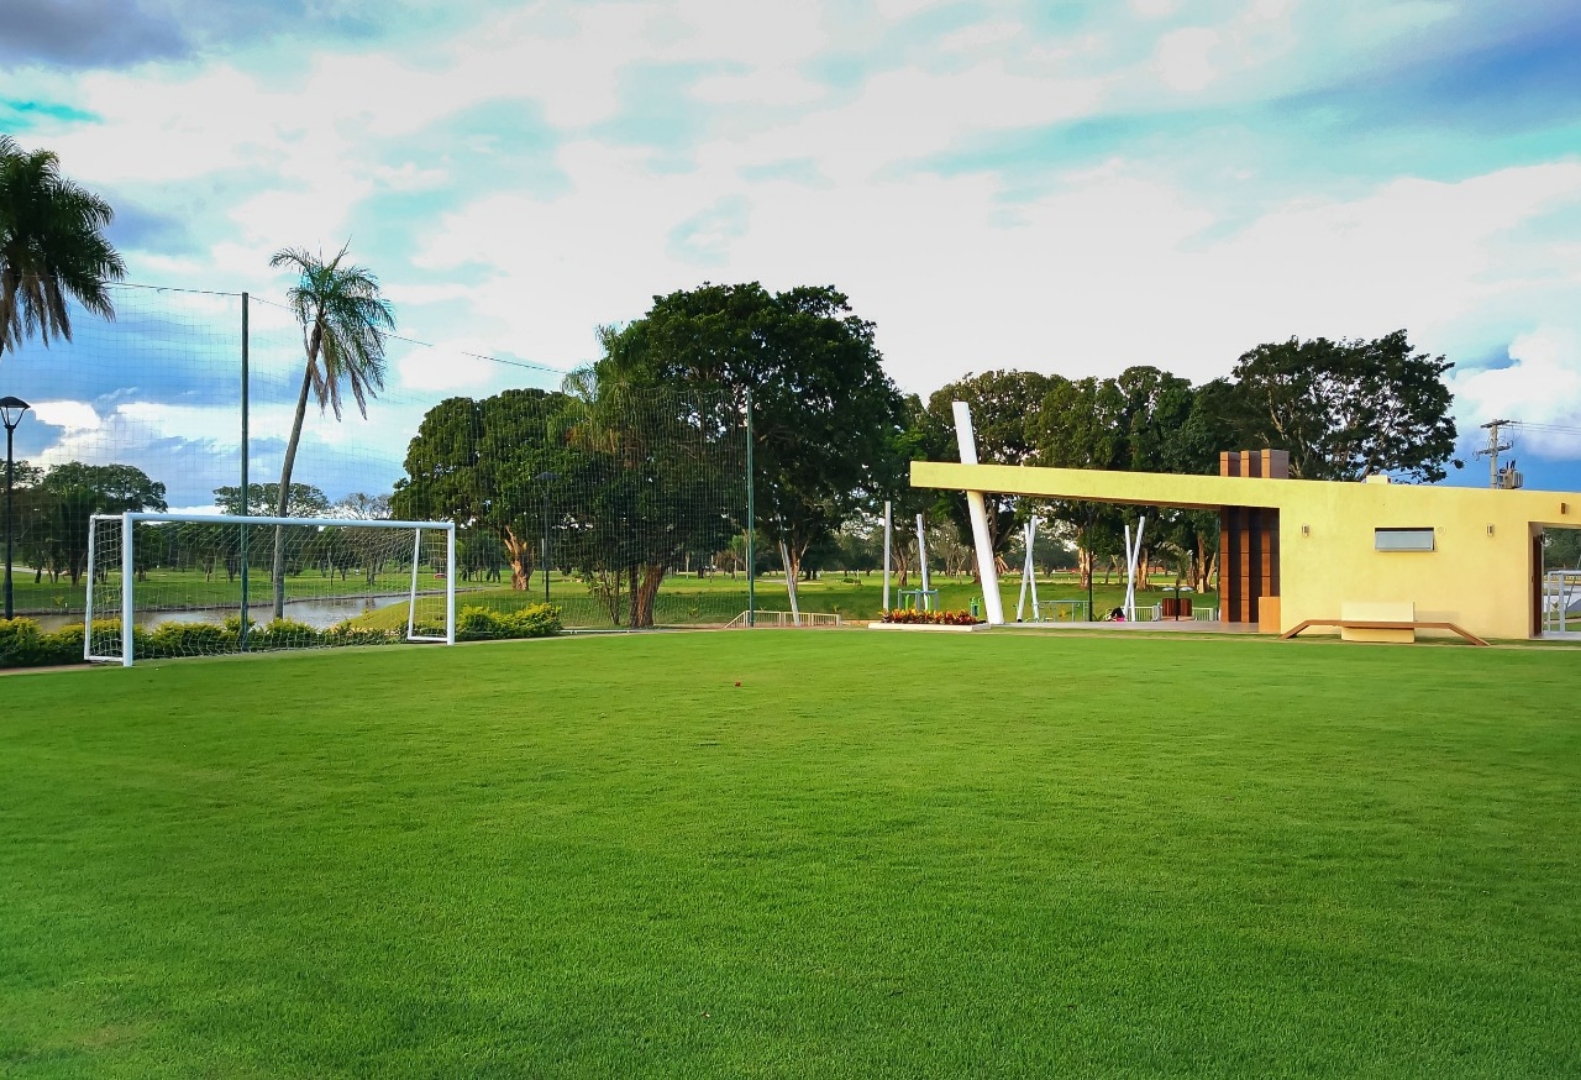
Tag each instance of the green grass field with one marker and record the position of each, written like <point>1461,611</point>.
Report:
<point>880,855</point>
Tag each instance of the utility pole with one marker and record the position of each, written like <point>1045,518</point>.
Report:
<point>1494,448</point>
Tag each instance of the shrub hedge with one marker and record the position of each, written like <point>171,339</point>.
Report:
<point>24,644</point>
<point>483,624</point>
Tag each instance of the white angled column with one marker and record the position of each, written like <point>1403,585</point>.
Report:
<point>993,608</point>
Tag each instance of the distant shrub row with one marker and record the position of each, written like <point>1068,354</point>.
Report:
<point>24,644</point>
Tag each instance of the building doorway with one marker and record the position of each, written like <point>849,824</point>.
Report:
<point>1556,583</point>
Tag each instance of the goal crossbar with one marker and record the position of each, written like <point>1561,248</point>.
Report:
<point>128,561</point>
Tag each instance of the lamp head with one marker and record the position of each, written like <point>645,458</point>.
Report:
<point>11,410</point>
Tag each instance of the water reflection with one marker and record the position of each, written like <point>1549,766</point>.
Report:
<point>320,614</point>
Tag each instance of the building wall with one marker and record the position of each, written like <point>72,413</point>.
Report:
<point>1475,579</point>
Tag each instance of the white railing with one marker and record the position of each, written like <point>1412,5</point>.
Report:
<point>762,619</point>
<point>1561,602</point>
<point>1061,611</point>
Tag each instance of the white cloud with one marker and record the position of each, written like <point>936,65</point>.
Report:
<point>1130,262</point>
<point>74,416</point>
<point>1183,61</point>
<point>455,366</point>
<point>896,10</point>
<point>1154,9</point>
<point>1540,386</point>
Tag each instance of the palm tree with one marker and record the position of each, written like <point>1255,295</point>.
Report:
<point>51,247</point>
<point>344,323</point>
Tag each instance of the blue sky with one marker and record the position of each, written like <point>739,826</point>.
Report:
<point>1069,187</point>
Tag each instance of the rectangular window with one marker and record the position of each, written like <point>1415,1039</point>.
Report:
<point>1403,539</point>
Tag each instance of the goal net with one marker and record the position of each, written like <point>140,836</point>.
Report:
<point>168,585</point>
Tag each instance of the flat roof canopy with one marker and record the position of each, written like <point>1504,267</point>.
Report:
<point>1096,485</point>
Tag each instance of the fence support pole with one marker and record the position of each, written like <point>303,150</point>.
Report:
<point>889,532</point>
<point>752,522</point>
<point>246,490</point>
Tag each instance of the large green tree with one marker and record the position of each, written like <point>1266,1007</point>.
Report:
<point>627,480</point>
<point>1006,407</point>
<point>659,474</point>
<point>72,492</point>
<point>344,322</point>
<point>477,463</point>
<point>1346,409</point>
<point>52,248</point>
<point>1143,419</point>
<point>825,414</point>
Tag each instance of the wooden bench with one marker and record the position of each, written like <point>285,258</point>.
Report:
<point>1382,624</point>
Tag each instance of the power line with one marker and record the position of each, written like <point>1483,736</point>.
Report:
<point>526,364</point>
<point>171,288</point>
<point>1557,429</point>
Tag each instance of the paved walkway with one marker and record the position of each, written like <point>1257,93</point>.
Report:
<point>1174,626</point>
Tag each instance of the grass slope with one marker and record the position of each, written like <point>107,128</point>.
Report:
<point>881,855</point>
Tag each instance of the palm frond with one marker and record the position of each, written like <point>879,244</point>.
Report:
<point>52,248</point>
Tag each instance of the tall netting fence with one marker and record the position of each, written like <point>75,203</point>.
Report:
<point>623,508</point>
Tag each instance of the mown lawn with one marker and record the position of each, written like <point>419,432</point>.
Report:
<point>880,855</point>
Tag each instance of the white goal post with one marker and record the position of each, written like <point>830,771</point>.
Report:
<point>158,565</point>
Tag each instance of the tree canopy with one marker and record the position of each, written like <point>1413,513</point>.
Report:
<point>1345,409</point>
<point>627,481</point>
<point>55,511</point>
<point>263,500</point>
<point>1006,409</point>
<point>825,415</point>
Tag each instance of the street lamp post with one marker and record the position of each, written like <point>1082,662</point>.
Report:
<point>543,479</point>
<point>11,410</point>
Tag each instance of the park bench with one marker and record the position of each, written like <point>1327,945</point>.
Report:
<point>1374,621</point>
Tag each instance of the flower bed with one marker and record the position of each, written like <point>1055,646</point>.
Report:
<point>931,618</point>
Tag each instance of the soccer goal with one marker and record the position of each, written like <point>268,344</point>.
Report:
<point>165,585</point>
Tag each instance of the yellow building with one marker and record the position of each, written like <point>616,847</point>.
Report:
<point>1299,550</point>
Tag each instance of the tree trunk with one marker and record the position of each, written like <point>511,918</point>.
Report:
<point>643,594</point>
<point>278,576</point>
<point>518,552</point>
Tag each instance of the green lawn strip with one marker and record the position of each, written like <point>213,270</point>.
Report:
<point>684,601</point>
<point>879,856</point>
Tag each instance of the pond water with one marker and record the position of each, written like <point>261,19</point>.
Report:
<point>320,613</point>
